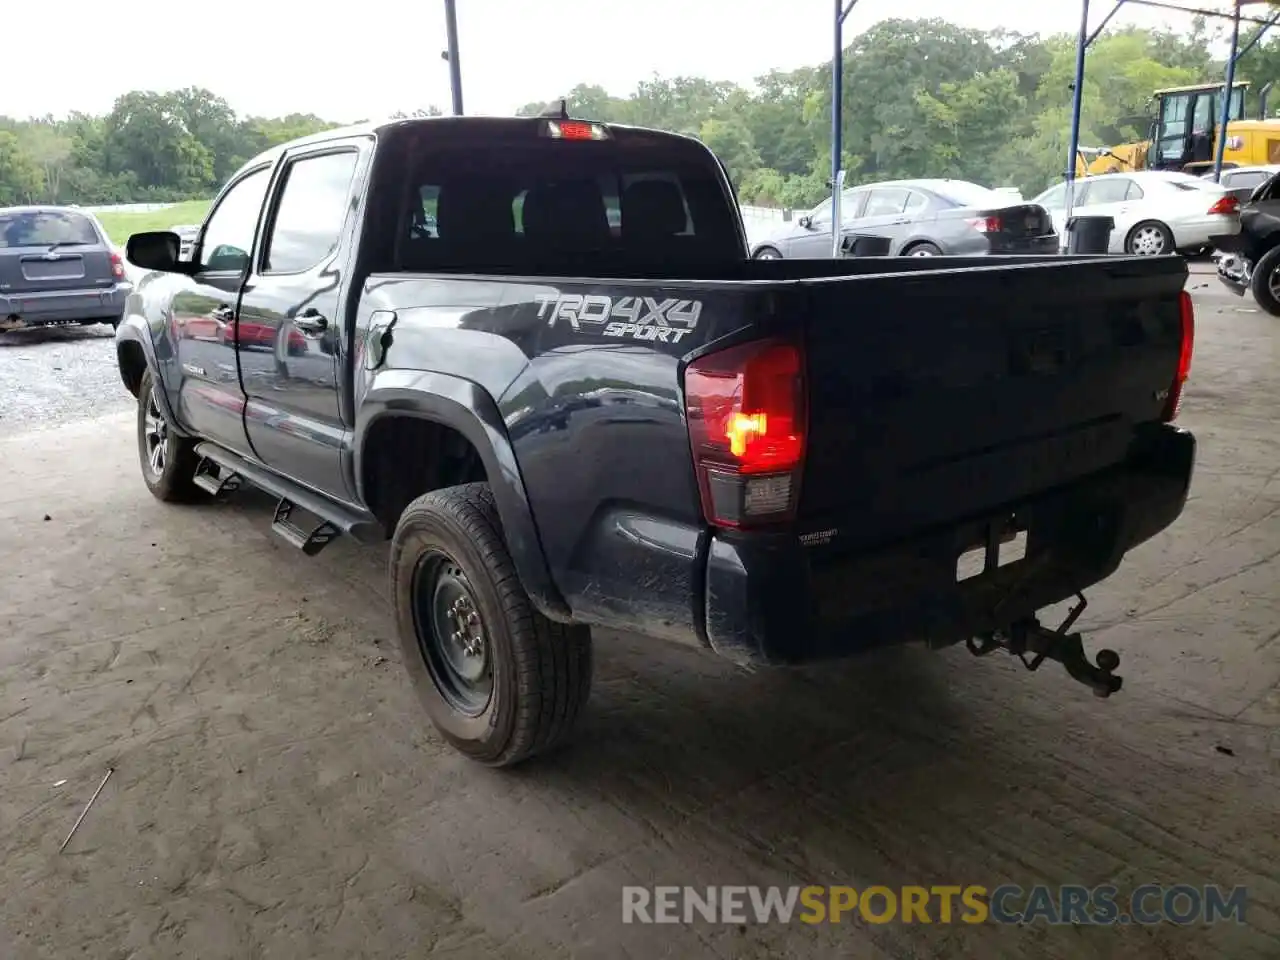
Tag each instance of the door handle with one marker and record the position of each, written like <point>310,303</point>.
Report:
<point>900,223</point>
<point>310,321</point>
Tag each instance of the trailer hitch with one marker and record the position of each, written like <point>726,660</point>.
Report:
<point>1028,637</point>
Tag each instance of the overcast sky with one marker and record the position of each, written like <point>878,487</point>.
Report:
<point>352,60</point>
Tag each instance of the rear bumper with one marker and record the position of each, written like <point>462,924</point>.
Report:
<point>1037,246</point>
<point>1201,232</point>
<point>19,310</point>
<point>775,601</point>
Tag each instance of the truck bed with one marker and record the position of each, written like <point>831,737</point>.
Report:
<point>943,395</point>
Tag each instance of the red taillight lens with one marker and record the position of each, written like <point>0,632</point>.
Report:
<point>986,224</point>
<point>117,266</point>
<point>1226,206</point>
<point>747,418</point>
<point>1174,400</point>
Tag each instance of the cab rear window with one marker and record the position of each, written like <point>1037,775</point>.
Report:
<point>548,203</point>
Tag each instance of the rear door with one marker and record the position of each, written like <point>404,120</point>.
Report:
<point>885,215</point>
<point>289,323</point>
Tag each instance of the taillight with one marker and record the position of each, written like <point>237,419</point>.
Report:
<point>986,224</point>
<point>117,266</point>
<point>574,130</point>
<point>747,418</point>
<point>1225,206</point>
<point>1188,321</point>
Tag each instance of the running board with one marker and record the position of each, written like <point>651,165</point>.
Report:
<point>334,518</point>
<point>310,541</point>
<point>215,480</point>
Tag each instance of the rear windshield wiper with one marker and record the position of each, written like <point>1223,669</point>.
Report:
<point>69,243</point>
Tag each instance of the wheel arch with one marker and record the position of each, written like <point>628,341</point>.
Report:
<point>918,242</point>
<point>466,409</point>
<point>135,356</point>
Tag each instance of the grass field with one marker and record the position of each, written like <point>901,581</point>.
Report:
<point>120,225</point>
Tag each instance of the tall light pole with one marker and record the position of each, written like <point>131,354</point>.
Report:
<point>455,68</point>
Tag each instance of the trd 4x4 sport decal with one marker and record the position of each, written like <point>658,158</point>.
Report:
<point>625,318</point>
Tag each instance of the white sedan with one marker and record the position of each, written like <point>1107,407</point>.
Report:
<point>1154,211</point>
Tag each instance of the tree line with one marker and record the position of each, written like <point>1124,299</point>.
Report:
<point>152,146</point>
<point>927,98</point>
<point>921,98</point>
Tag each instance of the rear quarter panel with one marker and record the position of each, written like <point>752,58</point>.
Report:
<point>590,394</point>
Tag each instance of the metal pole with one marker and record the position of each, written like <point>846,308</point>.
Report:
<point>1082,44</point>
<point>1228,92</point>
<point>1253,41</point>
<point>1103,25</point>
<point>455,69</point>
<point>1195,10</point>
<point>837,91</point>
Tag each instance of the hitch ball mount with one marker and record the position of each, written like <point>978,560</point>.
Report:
<point>1028,637</point>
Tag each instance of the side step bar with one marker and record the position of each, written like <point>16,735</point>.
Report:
<point>215,480</point>
<point>310,541</point>
<point>335,518</point>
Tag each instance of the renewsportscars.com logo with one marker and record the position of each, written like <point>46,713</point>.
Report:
<point>1151,903</point>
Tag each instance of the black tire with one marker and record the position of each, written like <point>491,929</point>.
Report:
<point>173,480</point>
<point>538,671</point>
<point>767,253</point>
<point>924,249</point>
<point>1260,283</point>
<point>1131,242</point>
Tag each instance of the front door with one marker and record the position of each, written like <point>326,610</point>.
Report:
<point>289,326</point>
<point>210,402</point>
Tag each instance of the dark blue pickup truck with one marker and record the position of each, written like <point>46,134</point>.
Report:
<point>534,354</point>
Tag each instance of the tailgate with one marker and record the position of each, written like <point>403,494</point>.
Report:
<point>33,269</point>
<point>940,395</point>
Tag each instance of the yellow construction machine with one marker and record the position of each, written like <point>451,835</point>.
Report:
<point>1184,131</point>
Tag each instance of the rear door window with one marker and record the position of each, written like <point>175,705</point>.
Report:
<point>310,213</point>
<point>1110,190</point>
<point>545,203</point>
<point>885,201</point>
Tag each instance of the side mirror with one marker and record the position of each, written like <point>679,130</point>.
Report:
<point>156,250</point>
<point>806,222</point>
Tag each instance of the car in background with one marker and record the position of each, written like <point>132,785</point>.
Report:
<point>921,218</point>
<point>187,234</point>
<point>1155,211</point>
<point>1241,182</point>
<point>1249,260</point>
<point>58,267</point>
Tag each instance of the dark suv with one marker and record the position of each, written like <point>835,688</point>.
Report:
<point>57,266</point>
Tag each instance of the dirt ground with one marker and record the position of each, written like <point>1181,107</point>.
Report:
<point>278,792</point>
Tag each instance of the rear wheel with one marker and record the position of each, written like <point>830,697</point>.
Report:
<point>1151,238</point>
<point>168,460</point>
<point>768,253</point>
<point>1265,282</point>
<point>500,681</point>
<point>923,250</point>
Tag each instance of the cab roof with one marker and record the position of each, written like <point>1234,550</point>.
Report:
<point>1196,87</point>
